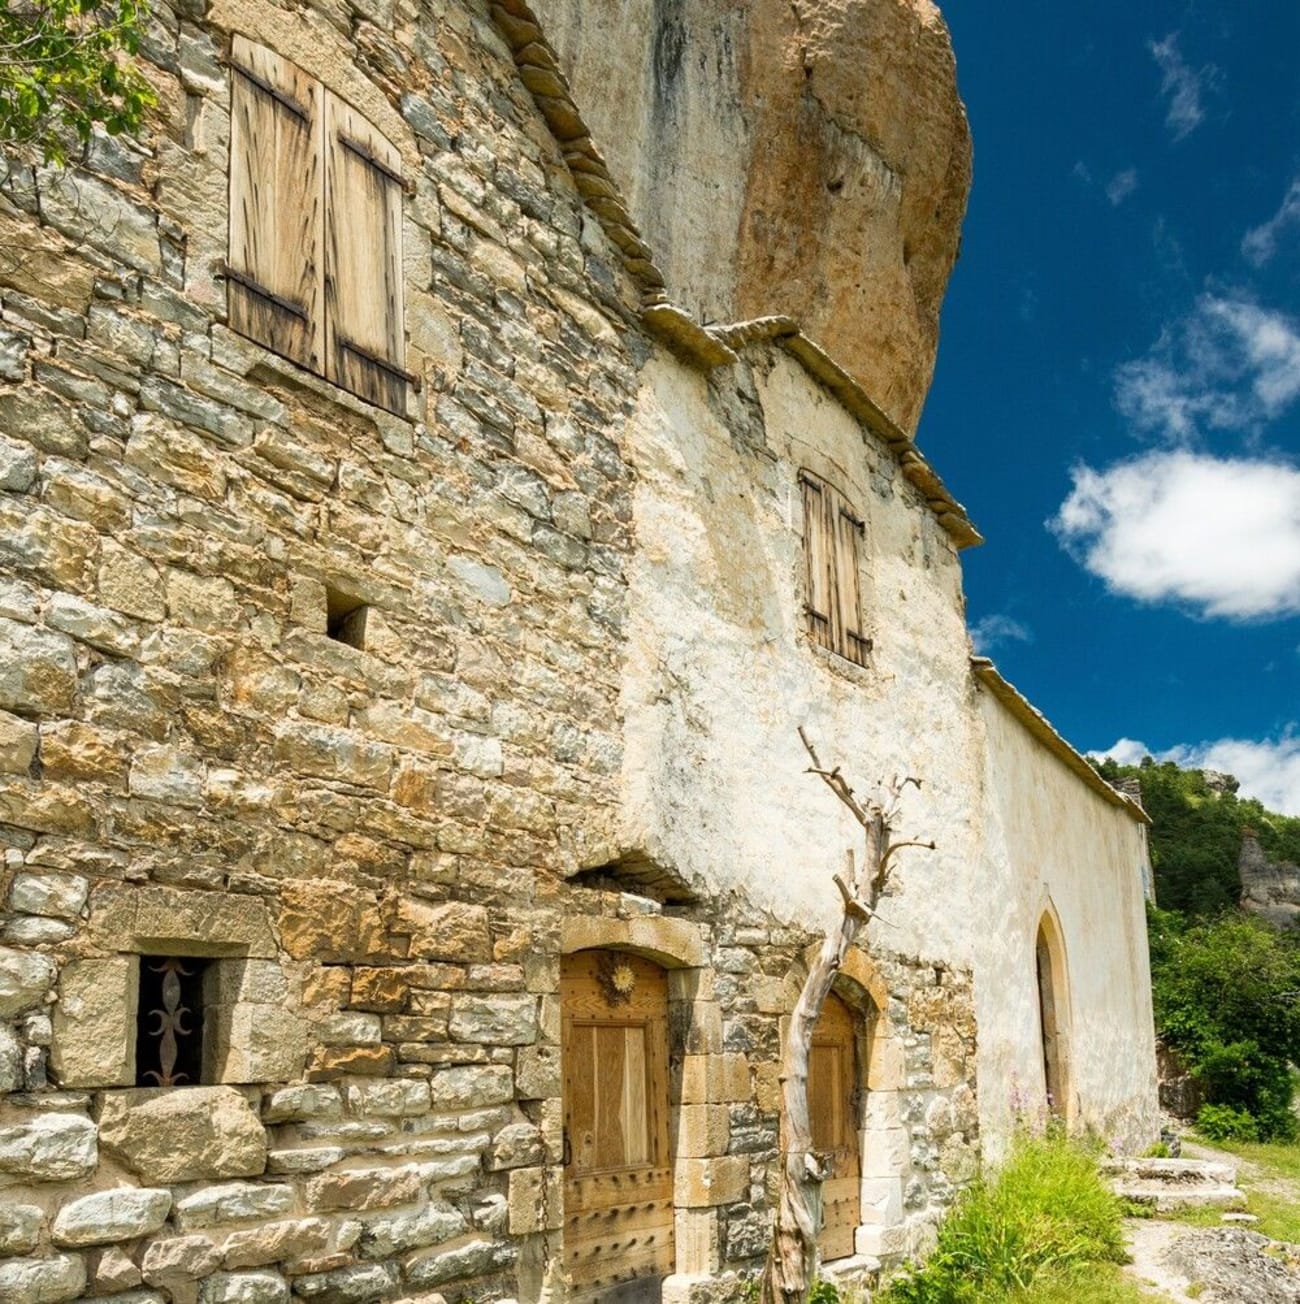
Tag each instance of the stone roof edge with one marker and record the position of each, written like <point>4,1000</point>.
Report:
<point>1037,724</point>
<point>698,345</point>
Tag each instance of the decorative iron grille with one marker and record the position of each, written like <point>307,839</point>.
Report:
<point>169,1025</point>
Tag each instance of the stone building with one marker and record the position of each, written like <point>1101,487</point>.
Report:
<point>408,603</point>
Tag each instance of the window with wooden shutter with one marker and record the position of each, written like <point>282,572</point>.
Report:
<point>315,266</point>
<point>832,535</point>
<point>363,259</point>
<point>276,192</point>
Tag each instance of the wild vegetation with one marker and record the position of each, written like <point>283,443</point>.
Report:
<point>1025,1234</point>
<point>65,70</point>
<point>1196,835</point>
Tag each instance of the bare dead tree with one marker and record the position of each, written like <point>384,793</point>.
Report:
<point>792,1253</point>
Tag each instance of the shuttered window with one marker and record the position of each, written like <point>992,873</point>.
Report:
<point>833,533</point>
<point>315,266</point>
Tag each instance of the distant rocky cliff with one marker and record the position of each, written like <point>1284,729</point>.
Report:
<point>1270,889</point>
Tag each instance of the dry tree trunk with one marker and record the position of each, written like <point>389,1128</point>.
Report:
<point>792,1254</point>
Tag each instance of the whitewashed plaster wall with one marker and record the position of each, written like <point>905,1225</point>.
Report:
<point>1054,844</point>
<point>720,673</point>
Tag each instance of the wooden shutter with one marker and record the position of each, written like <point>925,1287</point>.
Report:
<point>819,552</point>
<point>849,529</point>
<point>273,285</point>
<point>365,341</point>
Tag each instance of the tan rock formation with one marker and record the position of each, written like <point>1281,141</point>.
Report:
<point>804,158</point>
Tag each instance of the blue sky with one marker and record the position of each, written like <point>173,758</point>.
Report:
<point>1117,396</point>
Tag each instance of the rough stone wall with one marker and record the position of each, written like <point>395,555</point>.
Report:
<point>1269,889</point>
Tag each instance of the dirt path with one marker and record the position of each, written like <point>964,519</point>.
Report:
<point>1148,1239</point>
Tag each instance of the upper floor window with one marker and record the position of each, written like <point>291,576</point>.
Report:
<point>315,265</point>
<point>832,533</point>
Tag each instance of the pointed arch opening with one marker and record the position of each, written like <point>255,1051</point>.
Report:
<point>1053,1014</point>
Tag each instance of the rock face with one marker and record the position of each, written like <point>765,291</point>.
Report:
<point>1270,889</point>
<point>1237,1267</point>
<point>808,158</point>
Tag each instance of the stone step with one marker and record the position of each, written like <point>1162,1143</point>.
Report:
<point>1169,1184</point>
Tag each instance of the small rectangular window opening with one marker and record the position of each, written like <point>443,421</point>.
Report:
<point>169,1022</point>
<point>345,618</point>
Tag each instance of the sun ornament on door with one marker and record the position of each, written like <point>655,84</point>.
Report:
<point>617,979</point>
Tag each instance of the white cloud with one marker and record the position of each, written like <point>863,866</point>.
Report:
<point>1218,535</point>
<point>994,631</point>
<point>1182,84</point>
<point>1260,243</point>
<point>1269,770</point>
<point>1230,364</point>
<point>1121,186</point>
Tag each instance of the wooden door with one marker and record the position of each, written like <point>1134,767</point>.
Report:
<point>618,1193</point>
<point>833,1112</point>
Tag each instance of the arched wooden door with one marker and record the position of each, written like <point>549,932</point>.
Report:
<point>833,1076</point>
<point>618,1193</point>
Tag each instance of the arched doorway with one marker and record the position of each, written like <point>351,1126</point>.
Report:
<point>1049,961</point>
<point>618,1192</point>
<point>834,1075</point>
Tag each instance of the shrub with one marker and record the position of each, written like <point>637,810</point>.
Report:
<point>1225,999</point>
<point>1047,1208</point>
<point>1223,1123</point>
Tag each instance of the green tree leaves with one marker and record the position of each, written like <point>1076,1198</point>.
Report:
<point>65,67</point>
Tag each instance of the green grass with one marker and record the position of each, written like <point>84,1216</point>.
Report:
<point>1044,1217</point>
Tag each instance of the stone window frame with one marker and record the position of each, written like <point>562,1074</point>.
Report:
<point>251,1036</point>
<point>376,375</point>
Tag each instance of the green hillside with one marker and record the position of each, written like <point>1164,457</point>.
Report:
<point>1196,834</point>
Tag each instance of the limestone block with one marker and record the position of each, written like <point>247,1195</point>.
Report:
<point>700,1183</point>
<point>499,1020</point>
<point>308,1159</point>
<point>333,1062</point>
<point>433,1267</point>
<point>350,1028</point>
<point>885,1152</point>
<point>958,1160</point>
<point>696,1234</point>
<point>94,1023</point>
<point>397,1099</point>
<point>538,1072</point>
<point>60,896</point>
<point>11,1060</point>
<point>42,1281</point>
<point>273,1241</point>
<point>882,1109</point>
<point>471,1087</point>
<point>704,1030</point>
<point>129,583</point>
<point>175,921</point>
<point>20,1227</point>
<point>949,1058</point>
<point>117,1215</point>
<point>233,1202</point>
<point>716,1079</point>
<point>379,989</point>
<point>17,744</point>
<point>112,1271</point>
<point>452,931</point>
<point>183,1135</point>
<point>516,1146</point>
<point>322,752</point>
<point>329,921</point>
<point>701,1130</point>
<point>202,601</point>
<point>38,669</point>
<point>396,1233</point>
<point>357,1284</point>
<point>167,774</point>
<point>17,466</point>
<point>255,1042</point>
<point>244,1288</point>
<point>368,1186</point>
<point>172,1260</point>
<point>73,750</point>
<point>878,1241</point>
<point>49,1148</point>
<point>305,1101</point>
<point>882,1200</point>
<point>886,1068</point>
